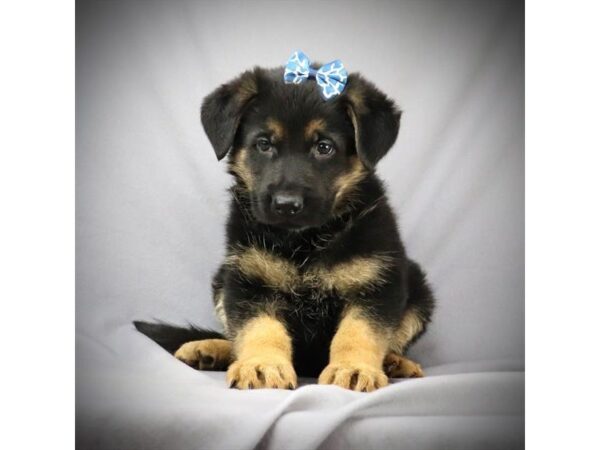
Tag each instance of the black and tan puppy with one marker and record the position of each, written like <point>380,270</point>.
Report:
<point>315,281</point>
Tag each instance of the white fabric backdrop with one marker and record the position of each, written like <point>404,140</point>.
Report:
<point>151,196</point>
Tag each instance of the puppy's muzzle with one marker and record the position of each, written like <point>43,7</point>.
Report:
<point>287,204</point>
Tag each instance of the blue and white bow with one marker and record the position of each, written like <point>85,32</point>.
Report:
<point>331,78</point>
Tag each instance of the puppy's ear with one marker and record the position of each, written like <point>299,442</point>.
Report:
<point>375,118</point>
<point>222,110</point>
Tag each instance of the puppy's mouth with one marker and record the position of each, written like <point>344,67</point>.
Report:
<point>292,224</point>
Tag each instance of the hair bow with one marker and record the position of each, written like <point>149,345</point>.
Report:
<point>331,77</point>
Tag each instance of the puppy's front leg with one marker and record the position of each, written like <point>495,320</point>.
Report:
<point>356,355</point>
<point>263,350</point>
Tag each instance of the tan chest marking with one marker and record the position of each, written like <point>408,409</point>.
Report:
<point>353,275</point>
<point>273,271</point>
<point>344,278</point>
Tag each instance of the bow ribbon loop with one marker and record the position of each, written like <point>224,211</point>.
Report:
<point>331,77</point>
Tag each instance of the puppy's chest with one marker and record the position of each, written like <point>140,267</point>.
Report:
<point>311,318</point>
<point>312,279</point>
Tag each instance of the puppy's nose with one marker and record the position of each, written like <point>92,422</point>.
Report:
<point>286,204</point>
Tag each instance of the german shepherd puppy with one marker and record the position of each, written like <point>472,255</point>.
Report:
<point>315,281</point>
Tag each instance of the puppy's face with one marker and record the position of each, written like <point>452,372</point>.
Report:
<point>300,158</point>
<point>295,157</point>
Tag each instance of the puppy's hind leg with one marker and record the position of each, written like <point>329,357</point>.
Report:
<point>395,364</point>
<point>207,354</point>
<point>412,325</point>
<point>200,348</point>
<point>398,366</point>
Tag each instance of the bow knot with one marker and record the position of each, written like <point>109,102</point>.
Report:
<point>331,77</point>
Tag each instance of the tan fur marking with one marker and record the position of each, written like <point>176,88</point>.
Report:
<point>357,340</point>
<point>411,324</point>
<point>278,273</point>
<point>263,350</point>
<point>347,182</point>
<point>263,333</point>
<point>276,127</point>
<point>207,354</point>
<point>313,127</point>
<point>356,354</point>
<point>275,272</point>
<point>240,167</point>
<point>360,272</point>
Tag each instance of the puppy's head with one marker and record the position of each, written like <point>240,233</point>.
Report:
<point>300,158</point>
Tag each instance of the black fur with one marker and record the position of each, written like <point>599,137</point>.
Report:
<point>362,123</point>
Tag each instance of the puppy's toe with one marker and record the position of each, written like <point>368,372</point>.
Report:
<point>258,372</point>
<point>357,377</point>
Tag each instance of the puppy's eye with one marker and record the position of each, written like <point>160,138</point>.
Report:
<point>263,144</point>
<point>325,149</point>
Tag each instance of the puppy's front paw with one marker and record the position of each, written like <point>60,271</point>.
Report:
<point>357,377</point>
<point>208,354</point>
<point>262,372</point>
